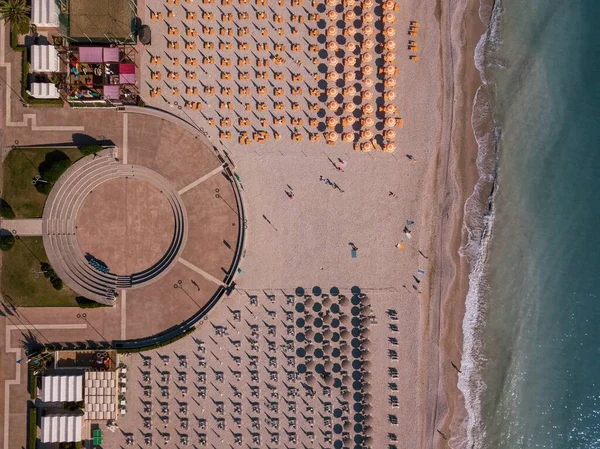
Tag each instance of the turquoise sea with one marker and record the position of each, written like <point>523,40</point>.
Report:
<point>531,364</point>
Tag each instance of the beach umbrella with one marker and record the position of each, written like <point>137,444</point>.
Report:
<point>350,15</point>
<point>331,31</point>
<point>368,17</point>
<point>350,61</point>
<point>355,300</point>
<point>366,95</point>
<point>332,92</point>
<point>348,137</point>
<point>368,4</point>
<point>299,307</point>
<point>300,337</point>
<point>335,337</point>
<point>388,5</point>
<point>308,301</point>
<point>349,107</point>
<point>301,368</point>
<point>368,44</point>
<point>389,134</point>
<point>318,322</point>
<point>335,323</point>
<point>389,147</point>
<point>351,30</point>
<point>389,45</point>
<point>355,311</point>
<point>332,46</point>
<point>333,105</point>
<point>355,332</point>
<point>350,120</point>
<point>366,146</point>
<point>368,109</point>
<point>389,69</point>
<point>333,60</point>
<point>389,17</point>
<point>337,429</point>
<point>319,353</point>
<point>300,322</point>
<point>366,57</point>
<point>389,95</point>
<point>350,91</point>
<point>331,122</point>
<point>368,82</point>
<point>390,122</point>
<point>332,15</point>
<point>366,134</point>
<point>390,109</point>
<point>338,444</point>
<point>318,338</point>
<point>356,353</point>
<point>389,31</point>
<point>331,2</point>
<point>367,70</point>
<point>389,82</point>
<point>351,46</point>
<point>332,136</point>
<point>337,413</point>
<point>349,76</point>
<point>335,308</point>
<point>368,30</point>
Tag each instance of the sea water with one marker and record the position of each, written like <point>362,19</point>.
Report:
<point>531,363</point>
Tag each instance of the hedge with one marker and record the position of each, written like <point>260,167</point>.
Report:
<point>7,241</point>
<point>6,211</point>
<point>25,84</point>
<point>158,345</point>
<point>32,383</point>
<point>32,437</point>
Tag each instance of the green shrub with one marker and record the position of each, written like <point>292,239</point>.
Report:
<point>7,241</point>
<point>51,274</point>
<point>6,211</point>
<point>86,303</point>
<point>32,383</point>
<point>90,149</point>
<point>32,437</point>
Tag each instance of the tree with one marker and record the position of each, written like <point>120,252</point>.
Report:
<point>16,12</point>
<point>90,149</point>
<point>54,165</point>
<point>7,241</point>
<point>5,210</point>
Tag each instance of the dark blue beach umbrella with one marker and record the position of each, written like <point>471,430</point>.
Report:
<point>356,364</point>
<point>358,439</point>
<point>335,323</point>
<point>355,343</point>
<point>299,291</point>
<point>317,291</point>
<point>300,337</point>
<point>355,321</point>
<point>317,307</point>
<point>339,444</point>
<point>355,332</point>
<point>358,428</point>
<point>300,322</point>
<point>355,300</point>
<point>357,385</point>
<point>356,353</point>
<point>337,429</point>
<point>319,368</point>
<point>355,311</point>
<point>335,308</point>
<point>356,375</point>
<point>357,396</point>
<point>319,337</point>
<point>318,322</point>
<point>302,368</point>
<point>335,337</point>
<point>319,353</point>
<point>301,352</point>
<point>355,290</point>
<point>299,307</point>
<point>337,383</point>
<point>358,407</point>
<point>337,413</point>
<point>359,418</point>
<point>336,368</point>
<point>336,352</point>
<point>334,291</point>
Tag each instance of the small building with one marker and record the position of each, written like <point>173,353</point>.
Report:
<point>61,427</point>
<point>64,388</point>
<point>43,91</point>
<point>44,58</point>
<point>100,395</point>
<point>44,13</point>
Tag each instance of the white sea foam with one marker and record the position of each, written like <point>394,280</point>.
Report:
<point>478,225</point>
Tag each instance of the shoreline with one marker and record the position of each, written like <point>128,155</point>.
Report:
<point>466,29</point>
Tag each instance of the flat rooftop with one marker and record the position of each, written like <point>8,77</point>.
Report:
<point>101,20</point>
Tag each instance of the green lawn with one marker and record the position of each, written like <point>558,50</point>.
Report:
<point>20,166</point>
<point>21,286</point>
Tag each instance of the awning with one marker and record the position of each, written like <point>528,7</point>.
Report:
<point>111,54</point>
<point>61,428</point>
<point>111,91</point>
<point>90,54</point>
<point>44,13</point>
<point>43,90</point>
<point>44,58</point>
<point>127,73</point>
<point>67,388</point>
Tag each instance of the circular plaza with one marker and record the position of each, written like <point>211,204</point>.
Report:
<point>156,223</point>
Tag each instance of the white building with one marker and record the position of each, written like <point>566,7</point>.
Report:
<point>44,58</point>
<point>61,428</point>
<point>67,388</point>
<point>43,90</point>
<point>44,13</point>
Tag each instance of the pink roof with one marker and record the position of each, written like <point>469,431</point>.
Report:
<point>90,54</point>
<point>125,78</point>
<point>127,68</point>
<point>111,91</point>
<point>111,54</point>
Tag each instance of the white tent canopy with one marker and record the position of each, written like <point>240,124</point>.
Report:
<point>62,388</point>
<point>43,90</point>
<point>61,428</point>
<point>44,58</point>
<point>44,13</point>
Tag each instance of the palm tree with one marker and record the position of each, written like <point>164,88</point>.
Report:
<point>16,12</point>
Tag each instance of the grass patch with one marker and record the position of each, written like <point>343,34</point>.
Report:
<point>32,383</point>
<point>20,166</point>
<point>85,303</point>
<point>21,285</point>
<point>32,427</point>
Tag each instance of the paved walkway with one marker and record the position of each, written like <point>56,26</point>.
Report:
<point>23,226</point>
